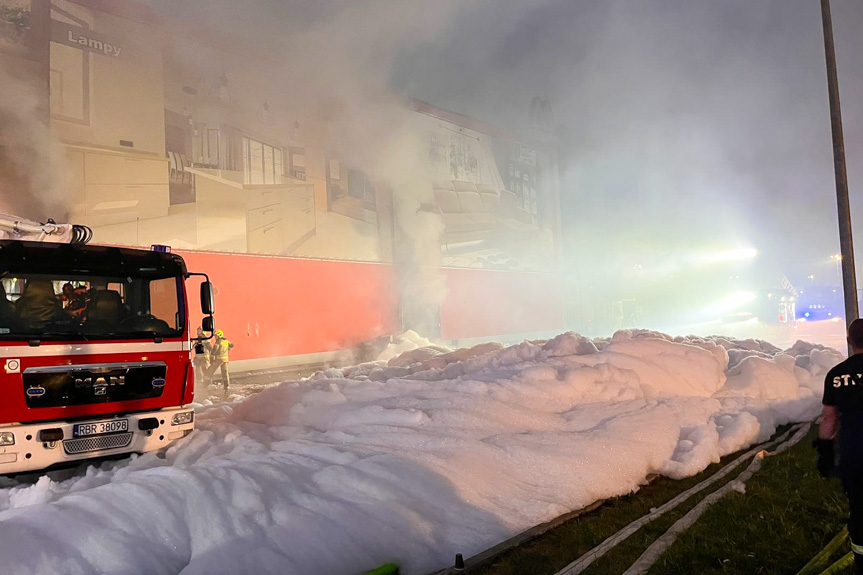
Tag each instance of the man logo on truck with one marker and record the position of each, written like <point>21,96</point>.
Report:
<point>100,381</point>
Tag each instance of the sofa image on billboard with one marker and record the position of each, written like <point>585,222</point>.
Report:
<point>473,212</point>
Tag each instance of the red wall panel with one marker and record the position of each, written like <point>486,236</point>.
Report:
<point>278,306</point>
<point>485,303</point>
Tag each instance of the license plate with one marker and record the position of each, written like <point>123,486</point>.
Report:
<point>100,427</point>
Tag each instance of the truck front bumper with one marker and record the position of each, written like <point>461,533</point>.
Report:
<point>42,445</point>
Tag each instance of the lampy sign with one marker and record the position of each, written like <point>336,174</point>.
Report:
<point>85,39</point>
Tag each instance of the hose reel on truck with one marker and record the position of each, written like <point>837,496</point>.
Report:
<point>15,228</point>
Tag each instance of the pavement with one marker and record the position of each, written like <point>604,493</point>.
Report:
<point>252,382</point>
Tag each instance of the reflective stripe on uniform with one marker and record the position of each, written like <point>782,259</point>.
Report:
<point>858,549</point>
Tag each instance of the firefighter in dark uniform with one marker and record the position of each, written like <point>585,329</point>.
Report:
<point>201,360</point>
<point>842,424</point>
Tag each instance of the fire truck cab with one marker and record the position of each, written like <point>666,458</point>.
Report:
<point>96,352</point>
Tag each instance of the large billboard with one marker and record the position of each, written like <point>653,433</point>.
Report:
<point>496,198</point>
<point>173,138</point>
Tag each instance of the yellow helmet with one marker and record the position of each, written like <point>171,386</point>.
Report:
<point>219,333</point>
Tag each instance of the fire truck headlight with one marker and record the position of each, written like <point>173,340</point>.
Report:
<point>7,438</point>
<point>183,418</point>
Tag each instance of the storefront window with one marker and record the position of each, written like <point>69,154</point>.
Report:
<point>269,173</point>
<point>205,146</point>
<point>212,152</point>
<point>262,163</point>
<point>298,164</point>
<point>279,168</point>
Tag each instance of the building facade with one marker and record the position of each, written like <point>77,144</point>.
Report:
<point>170,134</point>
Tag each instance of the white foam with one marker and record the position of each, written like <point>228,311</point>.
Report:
<point>439,452</point>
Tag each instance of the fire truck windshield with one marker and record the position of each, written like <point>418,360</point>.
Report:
<point>74,307</point>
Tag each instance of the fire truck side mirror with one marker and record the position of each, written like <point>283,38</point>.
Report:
<point>208,325</point>
<point>207,298</point>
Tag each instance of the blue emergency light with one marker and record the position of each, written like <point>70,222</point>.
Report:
<point>160,248</point>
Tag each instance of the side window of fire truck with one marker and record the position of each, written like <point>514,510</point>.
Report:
<point>7,308</point>
<point>163,301</point>
<point>119,288</point>
<point>12,288</point>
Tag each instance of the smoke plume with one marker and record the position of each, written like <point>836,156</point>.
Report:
<point>28,162</point>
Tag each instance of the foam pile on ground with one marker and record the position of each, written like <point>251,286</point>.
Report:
<point>400,344</point>
<point>414,457</point>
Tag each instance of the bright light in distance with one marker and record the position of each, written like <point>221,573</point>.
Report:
<point>734,300</point>
<point>836,257</point>
<point>726,256</point>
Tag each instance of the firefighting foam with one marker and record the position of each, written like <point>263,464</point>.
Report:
<point>440,451</point>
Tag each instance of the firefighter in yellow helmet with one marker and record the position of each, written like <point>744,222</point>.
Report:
<point>219,358</point>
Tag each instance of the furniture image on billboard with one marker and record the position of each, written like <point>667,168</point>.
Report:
<point>472,212</point>
<point>112,186</point>
<point>252,218</point>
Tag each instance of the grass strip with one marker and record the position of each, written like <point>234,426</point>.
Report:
<point>557,548</point>
<point>786,515</point>
<point>661,544</point>
<point>583,562</point>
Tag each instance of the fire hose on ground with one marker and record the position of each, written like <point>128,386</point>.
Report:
<point>653,552</point>
<point>597,552</point>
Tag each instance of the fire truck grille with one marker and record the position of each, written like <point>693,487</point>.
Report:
<point>98,443</point>
<point>87,384</point>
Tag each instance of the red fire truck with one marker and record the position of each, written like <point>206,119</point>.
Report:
<point>96,347</point>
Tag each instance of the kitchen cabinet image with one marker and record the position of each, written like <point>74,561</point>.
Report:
<point>112,186</point>
<point>252,218</point>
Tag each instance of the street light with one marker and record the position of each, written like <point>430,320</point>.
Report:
<point>838,259</point>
